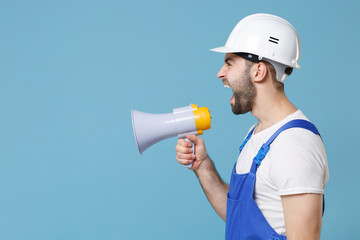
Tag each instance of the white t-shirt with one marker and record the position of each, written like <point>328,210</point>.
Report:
<point>296,163</point>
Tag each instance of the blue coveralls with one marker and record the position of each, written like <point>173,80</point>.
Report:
<point>244,220</point>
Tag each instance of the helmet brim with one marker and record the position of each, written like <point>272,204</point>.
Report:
<point>223,49</point>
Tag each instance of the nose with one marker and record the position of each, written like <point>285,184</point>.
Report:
<point>222,73</point>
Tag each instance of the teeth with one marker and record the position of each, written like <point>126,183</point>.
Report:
<point>226,86</point>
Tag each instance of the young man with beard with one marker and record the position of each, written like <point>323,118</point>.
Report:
<point>277,184</point>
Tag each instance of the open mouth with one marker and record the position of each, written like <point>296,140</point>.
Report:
<point>227,85</point>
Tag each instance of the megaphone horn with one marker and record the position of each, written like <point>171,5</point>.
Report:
<point>151,128</point>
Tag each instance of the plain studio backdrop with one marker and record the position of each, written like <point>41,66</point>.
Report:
<point>71,71</point>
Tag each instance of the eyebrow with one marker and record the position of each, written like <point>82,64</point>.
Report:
<point>228,59</point>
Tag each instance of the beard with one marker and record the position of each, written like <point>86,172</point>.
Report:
<point>244,96</point>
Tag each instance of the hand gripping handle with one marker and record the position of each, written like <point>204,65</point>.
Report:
<point>193,151</point>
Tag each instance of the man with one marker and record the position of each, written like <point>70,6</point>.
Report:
<point>276,187</point>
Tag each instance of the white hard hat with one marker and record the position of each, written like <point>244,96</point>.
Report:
<point>270,37</point>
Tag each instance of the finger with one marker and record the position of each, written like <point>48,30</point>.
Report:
<point>185,156</point>
<point>184,161</point>
<point>182,149</point>
<point>184,143</point>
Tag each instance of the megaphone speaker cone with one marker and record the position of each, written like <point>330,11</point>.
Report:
<point>152,128</point>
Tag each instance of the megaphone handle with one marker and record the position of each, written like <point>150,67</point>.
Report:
<point>193,150</point>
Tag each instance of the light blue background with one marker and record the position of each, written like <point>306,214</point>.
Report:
<point>70,72</point>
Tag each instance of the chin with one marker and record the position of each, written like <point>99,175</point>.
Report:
<point>235,111</point>
<point>239,110</point>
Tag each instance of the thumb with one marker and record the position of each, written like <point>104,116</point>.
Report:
<point>193,138</point>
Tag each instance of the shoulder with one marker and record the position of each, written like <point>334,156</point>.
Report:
<point>298,138</point>
<point>298,143</point>
<point>298,162</point>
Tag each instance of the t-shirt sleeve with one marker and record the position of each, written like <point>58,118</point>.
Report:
<point>298,163</point>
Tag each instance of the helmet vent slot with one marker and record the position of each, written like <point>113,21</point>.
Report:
<point>274,40</point>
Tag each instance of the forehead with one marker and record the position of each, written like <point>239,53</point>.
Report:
<point>231,57</point>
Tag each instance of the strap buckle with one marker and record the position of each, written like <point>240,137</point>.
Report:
<point>261,154</point>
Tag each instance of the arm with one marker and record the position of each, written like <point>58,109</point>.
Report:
<point>303,215</point>
<point>214,188</point>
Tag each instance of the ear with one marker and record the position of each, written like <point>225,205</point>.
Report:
<point>259,72</point>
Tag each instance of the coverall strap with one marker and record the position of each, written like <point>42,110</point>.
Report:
<point>297,123</point>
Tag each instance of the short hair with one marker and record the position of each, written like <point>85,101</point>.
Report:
<point>277,84</point>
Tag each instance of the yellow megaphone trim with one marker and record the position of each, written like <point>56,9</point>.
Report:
<point>202,118</point>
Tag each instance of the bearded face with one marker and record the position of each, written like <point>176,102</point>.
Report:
<point>244,95</point>
<point>244,92</point>
<point>235,74</point>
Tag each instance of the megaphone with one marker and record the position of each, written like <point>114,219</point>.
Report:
<point>151,128</point>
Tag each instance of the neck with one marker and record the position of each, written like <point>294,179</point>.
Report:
<point>270,107</point>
